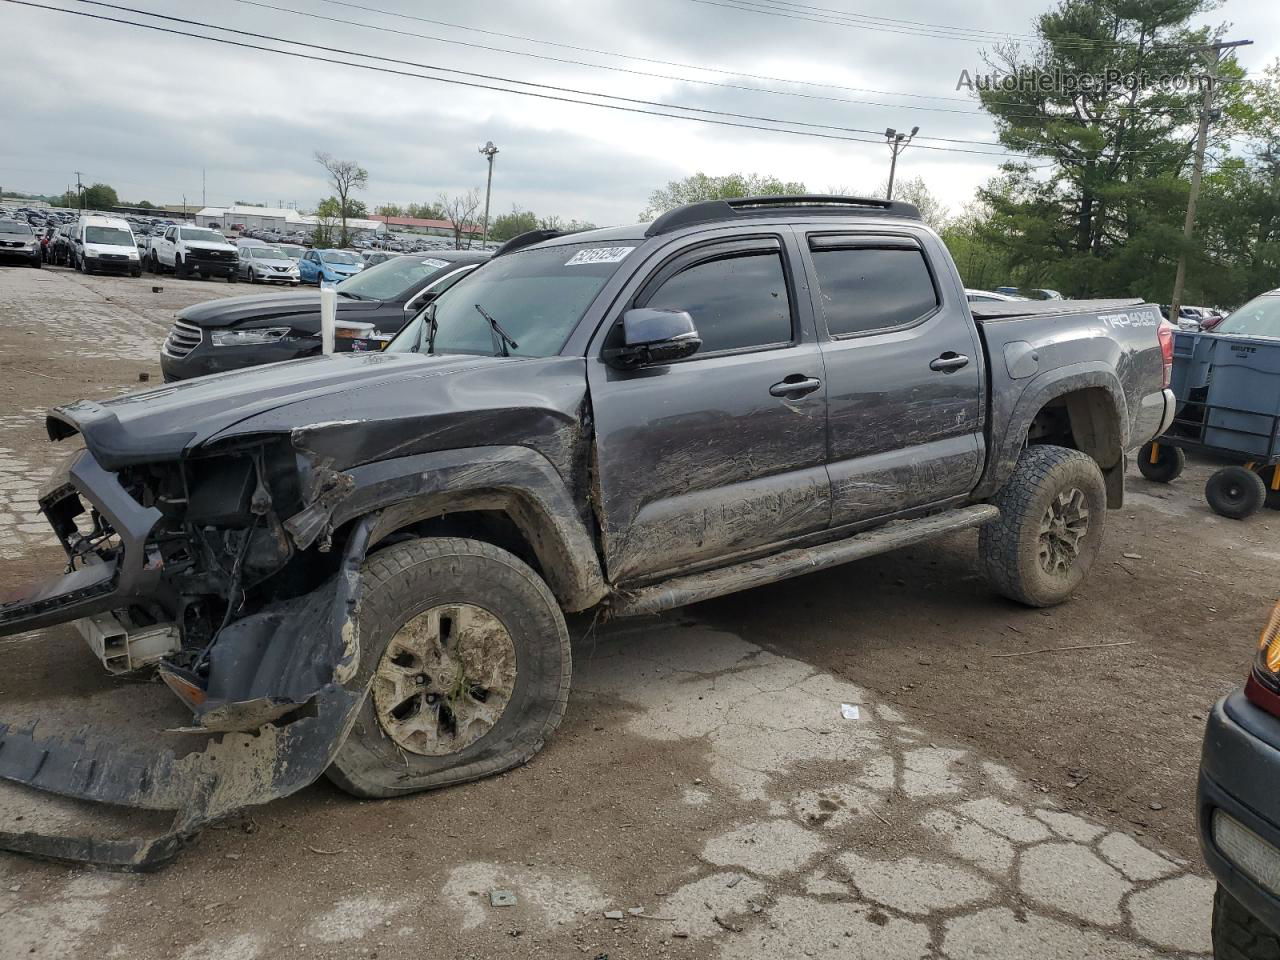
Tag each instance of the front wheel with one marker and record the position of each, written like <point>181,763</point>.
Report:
<point>1052,511</point>
<point>1161,463</point>
<point>1235,492</point>
<point>1238,934</point>
<point>179,268</point>
<point>466,657</point>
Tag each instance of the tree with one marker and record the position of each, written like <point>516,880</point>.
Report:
<point>1105,218</point>
<point>508,225</point>
<point>345,176</point>
<point>700,186</point>
<point>100,196</point>
<point>460,210</point>
<point>426,211</point>
<point>914,190</point>
<point>145,205</point>
<point>389,210</point>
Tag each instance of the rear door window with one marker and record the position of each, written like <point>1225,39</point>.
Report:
<point>869,285</point>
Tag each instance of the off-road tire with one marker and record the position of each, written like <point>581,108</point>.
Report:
<point>1238,934</point>
<point>411,577</point>
<point>1010,546</point>
<point>1273,496</point>
<point>1235,492</point>
<point>1170,462</point>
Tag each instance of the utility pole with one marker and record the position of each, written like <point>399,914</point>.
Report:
<point>897,143</point>
<point>488,151</point>
<point>79,192</point>
<point>1212,54</point>
<point>203,202</point>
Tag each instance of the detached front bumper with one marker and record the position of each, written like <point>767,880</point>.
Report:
<point>279,687</point>
<point>95,584</point>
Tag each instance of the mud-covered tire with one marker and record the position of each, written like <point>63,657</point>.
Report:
<point>1235,492</point>
<point>1011,547</point>
<point>411,578</point>
<point>1238,934</point>
<point>1170,462</point>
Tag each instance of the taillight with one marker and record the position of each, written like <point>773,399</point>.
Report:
<point>1263,688</point>
<point>1165,333</point>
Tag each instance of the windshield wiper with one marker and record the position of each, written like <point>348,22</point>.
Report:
<point>501,338</point>
<point>429,315</point>
<point>349,295</point>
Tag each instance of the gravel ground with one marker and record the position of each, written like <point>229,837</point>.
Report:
<point>994,798</point>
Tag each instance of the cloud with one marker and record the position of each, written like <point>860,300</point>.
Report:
<point>149,112</point>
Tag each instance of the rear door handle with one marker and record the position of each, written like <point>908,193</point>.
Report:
<point>949,362</point>
<point>795,386</point>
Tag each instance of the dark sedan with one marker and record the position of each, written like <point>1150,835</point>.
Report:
<point>1239,809</point>
<point>229,334</point>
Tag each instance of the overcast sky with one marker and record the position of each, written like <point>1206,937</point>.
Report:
<point>146,111</point>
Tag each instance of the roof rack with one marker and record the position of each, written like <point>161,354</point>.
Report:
<point>521,240</point>
<point>710,211</point>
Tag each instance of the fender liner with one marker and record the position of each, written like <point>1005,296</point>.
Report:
<point>1041,391</point>
<point>515,480</point>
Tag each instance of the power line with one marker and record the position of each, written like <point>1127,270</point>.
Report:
<point>935,31</point>
<point>500,79</point>
<point>666,63</point>
<point>408,33</point>
<point>642,73</point>
<point>465,83</point>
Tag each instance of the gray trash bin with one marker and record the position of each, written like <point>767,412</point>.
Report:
<point>1243,401</point>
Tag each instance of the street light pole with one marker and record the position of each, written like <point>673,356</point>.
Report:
<point>897,143</point>
<point>489,151</point>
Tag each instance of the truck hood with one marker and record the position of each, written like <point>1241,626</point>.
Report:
<point>166,423</point>
<point>286,307</point>
<point>199,245</point>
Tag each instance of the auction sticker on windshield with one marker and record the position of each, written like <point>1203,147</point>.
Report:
<point>599,255</point>
<point>434,263</point>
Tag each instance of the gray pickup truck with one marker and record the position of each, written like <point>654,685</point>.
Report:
<point>360,565</point>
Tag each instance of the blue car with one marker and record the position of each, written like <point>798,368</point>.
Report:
<point>329,266</point>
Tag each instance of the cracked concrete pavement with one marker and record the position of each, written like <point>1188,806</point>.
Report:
<point>829,838</point>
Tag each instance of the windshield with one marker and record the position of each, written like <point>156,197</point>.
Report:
<point>13,226</point>
<point>207,236</point>
<point>338,256</point>
<point>116,236</point>
<point>392,278</point>
<point>291,251</point>
<point>537,296</point>
<point>1259,317</point>
<point>267,253</point>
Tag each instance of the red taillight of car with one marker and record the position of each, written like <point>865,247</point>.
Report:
<point>1263,686</point>
<point>1165,332</point>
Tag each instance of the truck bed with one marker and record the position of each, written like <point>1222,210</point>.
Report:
<point>988,311</point>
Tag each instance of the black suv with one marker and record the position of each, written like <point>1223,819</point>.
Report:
<point>237,332</point>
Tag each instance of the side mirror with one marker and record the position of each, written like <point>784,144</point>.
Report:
<point>651,337</point>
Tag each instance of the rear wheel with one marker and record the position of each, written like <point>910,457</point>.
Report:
<point>466,656</point>
<point>1235,492</point>
<point>1167,465</point>
<point>1238,934</point>
<point>1052,510</point>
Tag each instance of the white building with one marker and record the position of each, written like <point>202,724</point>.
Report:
<point>271,218</point>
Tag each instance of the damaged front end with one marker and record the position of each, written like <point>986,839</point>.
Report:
<point>218,571</point>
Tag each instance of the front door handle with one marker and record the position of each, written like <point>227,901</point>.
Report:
<point>795,386</point>
<point>949,362</point>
